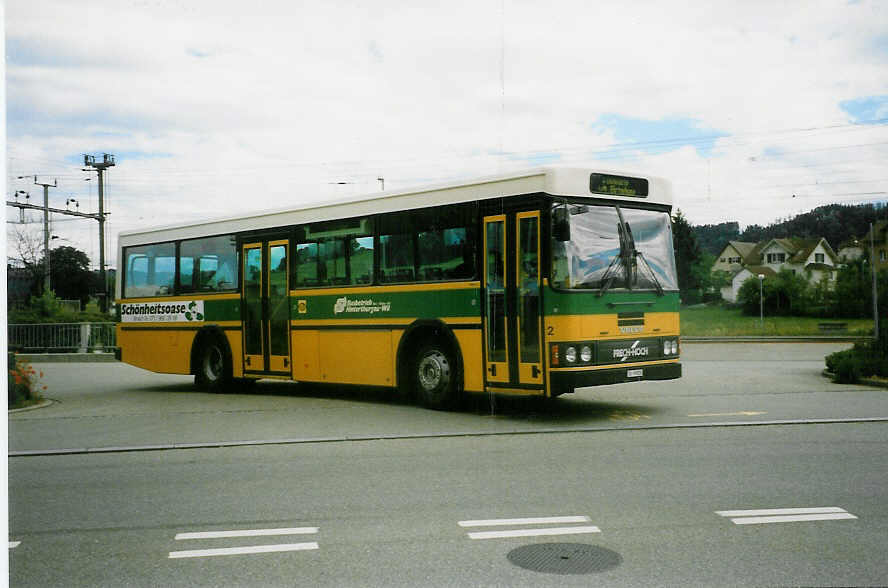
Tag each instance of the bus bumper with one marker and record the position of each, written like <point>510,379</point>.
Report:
<point>566,381</point>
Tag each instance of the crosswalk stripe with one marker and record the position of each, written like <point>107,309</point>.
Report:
<point>778,511</point>
<point>247,533</point>
<point>533,532</point>
<point>793,518</point>
<point>524,521</point>
<point>243,550</point>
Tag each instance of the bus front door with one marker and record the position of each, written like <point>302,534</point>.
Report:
<point>512,303</point>
<point>266,307</point>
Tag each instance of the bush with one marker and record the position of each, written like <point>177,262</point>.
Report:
<point>866,359</point>
<point>848,369</point>
<point>23,382</point>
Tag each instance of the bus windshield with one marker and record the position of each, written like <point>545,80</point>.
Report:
<point>615,248</point>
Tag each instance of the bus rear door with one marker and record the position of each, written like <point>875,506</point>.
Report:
<point>266,305</point>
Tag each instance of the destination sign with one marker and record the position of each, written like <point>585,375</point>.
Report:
<point>618,185</point>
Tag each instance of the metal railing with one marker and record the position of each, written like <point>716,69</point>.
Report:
<point>63,337</point>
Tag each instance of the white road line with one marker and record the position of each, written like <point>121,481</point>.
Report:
<point>14,544</point>
<point>793,518</point>
<point>738,413</point>
<point>533,532</point>
<point>778,511</point>
<point>244,550</point>
<point>247,533</point>
<point>525,521</point>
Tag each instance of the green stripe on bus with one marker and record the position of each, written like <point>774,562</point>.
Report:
<point>222,310</point>
<point>424,304</point>
<point>571,303</point>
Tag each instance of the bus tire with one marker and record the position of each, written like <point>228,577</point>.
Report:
<point>434,377</point>
<point>213,369</point>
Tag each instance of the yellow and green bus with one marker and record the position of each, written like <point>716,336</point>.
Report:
<point>531,283</point>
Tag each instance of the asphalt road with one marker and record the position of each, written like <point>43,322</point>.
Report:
<point>647,505</point>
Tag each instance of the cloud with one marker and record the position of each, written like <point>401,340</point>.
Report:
<point>214,110</point>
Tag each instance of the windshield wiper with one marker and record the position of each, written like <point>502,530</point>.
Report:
<point>639,255</point>
<point>629,256</point>
<point>610,273</point>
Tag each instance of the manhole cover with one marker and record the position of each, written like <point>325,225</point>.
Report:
<point>565,558</point>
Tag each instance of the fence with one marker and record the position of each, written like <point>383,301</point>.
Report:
<point>63,337</point>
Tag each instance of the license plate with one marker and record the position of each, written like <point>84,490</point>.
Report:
<point>634,373</point>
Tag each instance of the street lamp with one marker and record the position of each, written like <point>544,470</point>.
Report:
<point>761,301</point>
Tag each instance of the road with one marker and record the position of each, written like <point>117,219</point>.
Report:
<point>645,479</point>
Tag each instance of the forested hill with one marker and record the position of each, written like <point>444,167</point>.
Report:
<point>838,223</point>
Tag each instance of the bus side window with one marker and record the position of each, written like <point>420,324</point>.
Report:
<point>396,262</point>
<point>150,270</point>
<point>208,264</point>
<point>331,269</point>
<point>361,260</point>
<point>307,264</point>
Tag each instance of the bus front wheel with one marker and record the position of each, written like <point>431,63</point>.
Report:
<point>213,370</point>
<point>433,377</point>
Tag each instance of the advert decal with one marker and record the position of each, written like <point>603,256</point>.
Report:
<point>634,351</point>
<point>163,312</point>
<point>360,306</point>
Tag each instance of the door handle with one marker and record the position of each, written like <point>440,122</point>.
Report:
<point>492,369</point>
<point>535,372</point>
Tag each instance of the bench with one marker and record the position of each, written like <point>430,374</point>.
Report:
<point>832,326</point>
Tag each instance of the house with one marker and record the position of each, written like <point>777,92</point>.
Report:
<point>812,258</point>
<point>850,251</point>
<point>732,257</point>
<point>730,291</point>
<point>877,238</point>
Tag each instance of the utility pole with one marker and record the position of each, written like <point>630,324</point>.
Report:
<point>100,167</point>
<point>875,290</point>
<point>46,187</point>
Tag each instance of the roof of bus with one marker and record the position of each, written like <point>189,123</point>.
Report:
<point>552,180</point>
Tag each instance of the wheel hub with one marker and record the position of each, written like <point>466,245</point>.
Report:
<point>433,370</point>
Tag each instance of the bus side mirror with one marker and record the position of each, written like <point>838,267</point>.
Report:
<point>561,224</point>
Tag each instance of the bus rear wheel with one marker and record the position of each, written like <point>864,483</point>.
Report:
<point>213,369</point>
<point>434,380</point>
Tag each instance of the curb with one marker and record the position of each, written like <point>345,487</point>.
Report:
<point>66,357</point>
<point>442,435</point>
<point>777,339</point>
<point>865,381</point>
<point>43,404</point>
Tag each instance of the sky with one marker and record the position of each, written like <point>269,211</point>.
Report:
<point>755,110</point>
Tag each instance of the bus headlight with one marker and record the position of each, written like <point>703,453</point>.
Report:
<point>586,354</point>
<point>670,347</point>
<point>570,354</point>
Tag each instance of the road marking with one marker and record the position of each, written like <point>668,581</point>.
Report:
<point>785,515</point>
<point>533,532</point>
<point>244,550</point>
<point>247,533</point>
<point>525,521</point>
<point>14,544</point>
<point>722,414</point>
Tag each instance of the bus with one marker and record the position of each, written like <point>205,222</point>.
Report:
<point>529,283</point>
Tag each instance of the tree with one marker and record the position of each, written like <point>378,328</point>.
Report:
<point>853,293</point>
<point>687,253</point>
<point>712,238</point>
<point>70,276</point>
<point>786,294</point>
